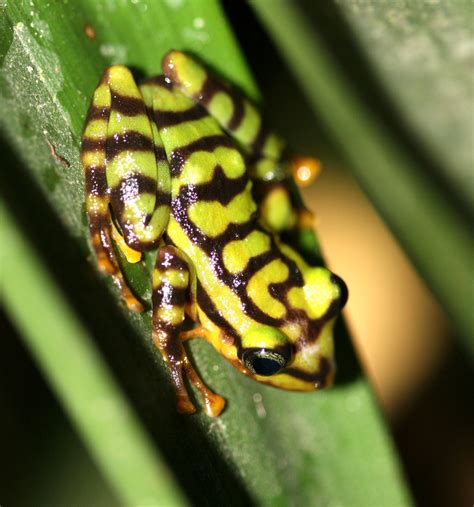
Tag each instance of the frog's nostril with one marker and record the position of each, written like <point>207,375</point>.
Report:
<point>343,290</point>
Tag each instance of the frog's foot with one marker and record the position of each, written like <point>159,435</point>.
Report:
<point>213,403</point>
<point>306,219</point>
<point>168,343</point>
<point>107,259</point>
<point>172,350</point>
<point>170,294</point>
<point>197,332</point>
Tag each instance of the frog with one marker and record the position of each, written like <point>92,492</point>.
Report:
<point>184,164</point>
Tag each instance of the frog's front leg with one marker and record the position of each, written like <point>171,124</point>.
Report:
<point>122,172</point>
<point>171,292</point>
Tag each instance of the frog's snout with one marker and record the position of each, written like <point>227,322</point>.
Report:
<point>343,290</point>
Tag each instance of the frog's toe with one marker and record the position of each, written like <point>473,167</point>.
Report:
<point>105,265</point>
<point>184,404</point>
<point>133,303</point>
<point>214,405</point>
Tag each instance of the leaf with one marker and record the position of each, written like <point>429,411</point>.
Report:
<point>91,396</point>
<point>269,447</point>
<point>392,83</point>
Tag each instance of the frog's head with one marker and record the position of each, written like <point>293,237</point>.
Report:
<point>299,355</point>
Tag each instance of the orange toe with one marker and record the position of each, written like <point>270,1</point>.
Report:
<point>214,405</point>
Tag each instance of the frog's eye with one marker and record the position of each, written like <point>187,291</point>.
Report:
<point>266,362</point>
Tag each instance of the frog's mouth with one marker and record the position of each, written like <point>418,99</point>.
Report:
<point>323,376</point>
<point>293,378</point>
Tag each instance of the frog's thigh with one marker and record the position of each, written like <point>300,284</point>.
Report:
<point>140,201</point>
<point>171,285</point>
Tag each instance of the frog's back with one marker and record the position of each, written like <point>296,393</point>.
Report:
<point>214,217</point>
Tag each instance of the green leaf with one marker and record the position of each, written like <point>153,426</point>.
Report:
<point>68,357</point>
<point>269,447</point>
<point>392,83</point>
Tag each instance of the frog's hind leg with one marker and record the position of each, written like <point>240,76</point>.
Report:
<point>126,172</point>
<point>281,210</point>
<point>171,291</point>
<point>235,114</point>
<point>93,157</point>
<point>137,171</point>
